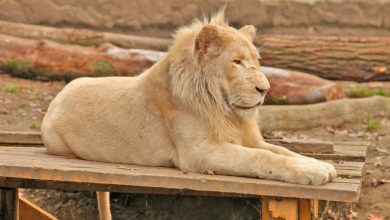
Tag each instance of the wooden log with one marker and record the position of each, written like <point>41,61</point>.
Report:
<point>367,89</point>
<point>50,60</point>
<point>292,87</point>
<point>332,57</point>
<point>332,113</point>
<point>81,36</point>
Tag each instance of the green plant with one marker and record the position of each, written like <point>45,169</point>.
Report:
<point>365,92</point>
<point>19,68</point>
<point>23,104</point>
<point>88,42</point>
<point>373,124</point>
<point>35,126</point>
<point>11,89</point>
<point>280,100</point>
<point>103,68</point>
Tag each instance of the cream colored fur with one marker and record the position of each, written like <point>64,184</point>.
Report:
<point>195,110</point>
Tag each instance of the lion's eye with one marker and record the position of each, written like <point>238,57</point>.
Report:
<point>237,62</point>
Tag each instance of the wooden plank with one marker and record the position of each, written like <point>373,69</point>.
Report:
<point>30,211</point>
<point>20,138</point>
<point>308,209</point>
<point>9,204</point>
<point>354,143</point>
<point>304,146</point>
<point>348,169</point>
<point>283,208</point>
<point>34,164</point>
<point>343,152</point>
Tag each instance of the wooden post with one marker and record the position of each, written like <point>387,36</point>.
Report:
<point>288,208</point>
<point>308,209</point>
<point>103,199</point>
<point>279,208</point>
<point>9,204</point>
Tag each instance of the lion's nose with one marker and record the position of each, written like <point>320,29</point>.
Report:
<point>262,91</point>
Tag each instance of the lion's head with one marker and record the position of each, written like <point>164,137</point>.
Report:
<point>215,69</point>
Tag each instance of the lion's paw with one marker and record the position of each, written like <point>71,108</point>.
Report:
<point>309,171</point>
<point>327,167</point>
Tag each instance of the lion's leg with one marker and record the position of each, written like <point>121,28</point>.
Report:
<point>286,152</point>
<point>230,159</point>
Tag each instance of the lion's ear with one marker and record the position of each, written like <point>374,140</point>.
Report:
<point>208,42</point>
<point>249,31</point>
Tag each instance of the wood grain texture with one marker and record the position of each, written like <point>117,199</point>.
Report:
<point>29,211</point>
<point>304,146</point>
<point>333,57</point>
<point>283,208</point>
<point>308,209</point>
<point>34,164</point>
<point>330,57</point>
<point>7,137</point>
<point>343,152</point>
<point>332,113</point>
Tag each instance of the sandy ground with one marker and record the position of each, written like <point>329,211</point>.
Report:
<point>22,107</point>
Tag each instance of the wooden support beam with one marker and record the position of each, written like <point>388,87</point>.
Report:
<point>288,208</point>
<point>9,204</point>
<point>279,208</point>
<point>308,209</point>
<point>103,199</point>
<point>30,211</point>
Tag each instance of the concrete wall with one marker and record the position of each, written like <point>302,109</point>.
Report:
<point>136,14</point>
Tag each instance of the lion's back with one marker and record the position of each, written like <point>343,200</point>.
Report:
<point>103,119</point>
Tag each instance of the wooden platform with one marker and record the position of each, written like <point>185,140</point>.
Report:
<point>25,164</point>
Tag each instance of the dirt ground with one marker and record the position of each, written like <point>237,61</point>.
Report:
<point>22,107</point>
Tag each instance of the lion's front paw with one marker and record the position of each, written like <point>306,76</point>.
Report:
<point>329,168</point>
<point>309,171</point>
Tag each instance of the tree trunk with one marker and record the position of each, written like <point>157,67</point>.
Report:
<point>52,61</point>
<point>341,58</point>
<point>333,113</point>
<point>331,57</point>
<point>82,37</point>
<point>292,87</point>
<point>49,60</point>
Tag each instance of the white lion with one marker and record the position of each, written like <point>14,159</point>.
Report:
<point>195,110</point>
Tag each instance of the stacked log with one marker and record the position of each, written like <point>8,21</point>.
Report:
<point>82,37</point>
<point>334,113</point>
<point>292,87</point>
<point>331,57</point>
<point>49,60</point>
